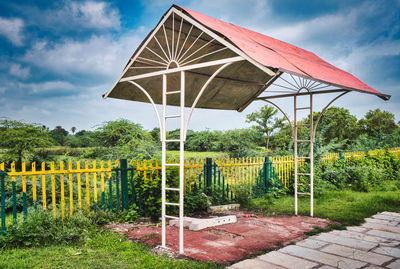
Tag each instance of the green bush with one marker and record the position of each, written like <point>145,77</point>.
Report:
<point>196,201</point>
<point>130,215</point>
<point>40,228</point>
<point>242,195</point>
<point>94,153</point>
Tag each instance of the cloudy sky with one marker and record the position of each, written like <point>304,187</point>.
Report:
<point>58,57</point>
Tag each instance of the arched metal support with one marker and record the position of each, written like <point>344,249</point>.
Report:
<point>325,108</point>
<point>201,93</point>
<point>151,101</point>
<point>284,114</point>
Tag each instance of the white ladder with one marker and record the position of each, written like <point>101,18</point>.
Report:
<point>164,164</point>
<point>310,157</point>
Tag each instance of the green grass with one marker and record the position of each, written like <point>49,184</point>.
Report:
<point>103,250</point>
<point>196,155</point>
<point>346,207</point>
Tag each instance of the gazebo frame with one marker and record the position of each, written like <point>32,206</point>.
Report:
<point>170,53</point>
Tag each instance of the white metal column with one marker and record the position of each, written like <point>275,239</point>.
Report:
<point>310,157</point>
<point>164,164</point>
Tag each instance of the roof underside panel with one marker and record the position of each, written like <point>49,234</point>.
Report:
<point>222,93</point>
<point>274,53</point>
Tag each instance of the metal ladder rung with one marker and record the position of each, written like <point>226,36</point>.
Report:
<point>171,217</point>
<point>172,164</point>
<point>172,140</point>
<point>300,108</point>
<point>171,189</point>
<point>304,193</point>
<point>172,116</point>
<point>303,157</point>
<point>303,140</point>
<point>175,204</point>
<point>304,174</point>
<point>172,92</point>
<point>302,184</point>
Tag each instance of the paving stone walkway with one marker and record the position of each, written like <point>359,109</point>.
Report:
<point>374,244</point>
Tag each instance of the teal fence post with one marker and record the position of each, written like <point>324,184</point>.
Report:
<point>341,159</point>
<point>208,174</point>
<point>124,183</point>
<point>267,172</point>
<point>3,201</point>
<point>110,193</point>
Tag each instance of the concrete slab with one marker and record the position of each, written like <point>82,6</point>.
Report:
<point>311,243</point>
<point>391,214</point>
<point>394,265</point>
<point>255,264</point>
<point>287,261</point>
<point>196,224</point>
<point>356,229</point>
<point>381,221</point>
<point>386,217</point>
<point>206,223</point>
<point>389,235</point>
<point>362,236</point>
<point>321,257</point>
<point>394,252</point>
<point>382,227</point>
<point>221,208</point>
<point>346,241</point>
<point>369,257</point>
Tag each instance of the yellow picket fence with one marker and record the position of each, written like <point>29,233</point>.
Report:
<point>85,175</point>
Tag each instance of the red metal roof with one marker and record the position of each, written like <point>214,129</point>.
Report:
<point>274,53</point>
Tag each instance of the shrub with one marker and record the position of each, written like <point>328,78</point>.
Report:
<point>40,228</point>
<point>196,201</point>
<point>130,215</point>
<point>242,195</point>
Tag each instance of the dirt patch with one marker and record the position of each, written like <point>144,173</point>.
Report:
<point>224,234</point>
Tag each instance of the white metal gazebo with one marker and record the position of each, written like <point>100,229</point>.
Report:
<point>192,60</point>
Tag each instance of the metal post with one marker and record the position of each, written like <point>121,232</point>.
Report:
<point>163,159</point>
<point>181,162</point>
<point>311,157</point>
<point>295,155</point>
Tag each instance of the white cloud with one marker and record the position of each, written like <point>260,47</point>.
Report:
<point>94,14</point>
<point>98,55</point>
<point>18,71</point>
<point>12,30</point>
<point>48,86</point>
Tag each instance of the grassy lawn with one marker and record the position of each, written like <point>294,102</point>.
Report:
<point>345,207</point>
<point>103,250</point>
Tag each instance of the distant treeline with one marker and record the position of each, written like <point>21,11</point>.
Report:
<point>337,130</point>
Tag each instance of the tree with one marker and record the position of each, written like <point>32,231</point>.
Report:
<point>337,123</point>
<point>377,121</point>
<point>266,123</point>
<point>21,139</point>
<point>127,139</point>
<point>73,129</point>
<point>59,134</point>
